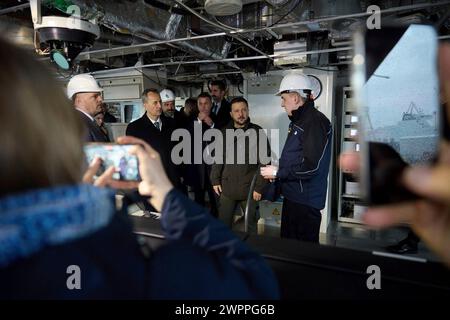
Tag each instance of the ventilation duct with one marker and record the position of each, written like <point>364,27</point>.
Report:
<point>140,20</point>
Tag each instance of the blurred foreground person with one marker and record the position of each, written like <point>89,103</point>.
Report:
<point>62,239</point>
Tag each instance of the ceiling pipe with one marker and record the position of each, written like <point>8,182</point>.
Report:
<point>109,18</point>
<point>348,16</point>
<point>154,65</point>
<point>14,9</point>
<point>221,34</point>
<point>227,31</point>
<point>144,46</point>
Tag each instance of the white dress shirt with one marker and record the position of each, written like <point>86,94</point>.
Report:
<point>159,121</point>
<point>87,114</point>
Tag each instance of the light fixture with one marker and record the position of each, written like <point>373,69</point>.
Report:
<point>61,61</point>
<point>223,7</point>
<point>64,37</point>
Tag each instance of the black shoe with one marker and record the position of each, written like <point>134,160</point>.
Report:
<point>403,247</point>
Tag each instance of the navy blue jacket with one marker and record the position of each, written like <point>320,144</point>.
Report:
<point>305,159</point>
<point>43,232</point>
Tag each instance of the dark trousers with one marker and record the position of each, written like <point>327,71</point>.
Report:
<point>299,221</point>
<point>227,207</point>
<point>199,197</point>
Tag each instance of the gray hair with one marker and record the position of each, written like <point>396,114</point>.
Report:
<point>146,92</point>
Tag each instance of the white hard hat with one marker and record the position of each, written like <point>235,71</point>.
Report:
<point>294,82</point>
<point>82,83</point>
<point>167,95</point>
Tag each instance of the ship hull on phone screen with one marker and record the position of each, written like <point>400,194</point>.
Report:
<point>126,165</point>
<point>399,107</point>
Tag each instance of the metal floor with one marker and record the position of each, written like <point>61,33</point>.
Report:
<point>358,237</point>
<point>351,236</point>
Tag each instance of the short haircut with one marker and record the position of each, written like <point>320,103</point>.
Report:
<point>219,83</point>
<point>190,103</point>
<point>306,94</point>
<point>239,100</point>
<point>303,94</point>
<point>190,107</point>
<point>204,95</point>
<point>146,92</point>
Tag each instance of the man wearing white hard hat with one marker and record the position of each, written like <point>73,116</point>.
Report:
<point>304,163</point>
<point>168,108</point>
<point>86,96</point>
<point>168,102</point>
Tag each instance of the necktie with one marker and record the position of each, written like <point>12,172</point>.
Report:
<point>214,109</point>
<point>157,125</point>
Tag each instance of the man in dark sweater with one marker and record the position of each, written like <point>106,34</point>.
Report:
<point>232,178</point>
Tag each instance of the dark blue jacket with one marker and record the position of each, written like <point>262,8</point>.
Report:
<point>43,232</point>
<point>305,159</point>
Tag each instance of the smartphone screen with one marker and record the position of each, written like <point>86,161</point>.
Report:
<point>126,165</point>
<point>395,72</point>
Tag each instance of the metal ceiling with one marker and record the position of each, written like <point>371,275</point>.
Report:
<point>173,33</point>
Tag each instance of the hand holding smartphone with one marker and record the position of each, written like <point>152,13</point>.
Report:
<point>114,155</point>
<point>397,94</point>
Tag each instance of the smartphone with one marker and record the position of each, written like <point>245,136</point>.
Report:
<point>395,78</point>
<point>116,155</point>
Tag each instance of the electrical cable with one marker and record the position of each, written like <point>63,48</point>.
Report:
<point>166,7</point>
<point>284,16</point>
<point>224,25</point>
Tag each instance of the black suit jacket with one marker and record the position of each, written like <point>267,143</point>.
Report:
<point>196,173</point>
<point>222,118</point>
<point>94,133</point>
<point>109,117</point>
<point>181,120</point>
<point>144,129</point>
